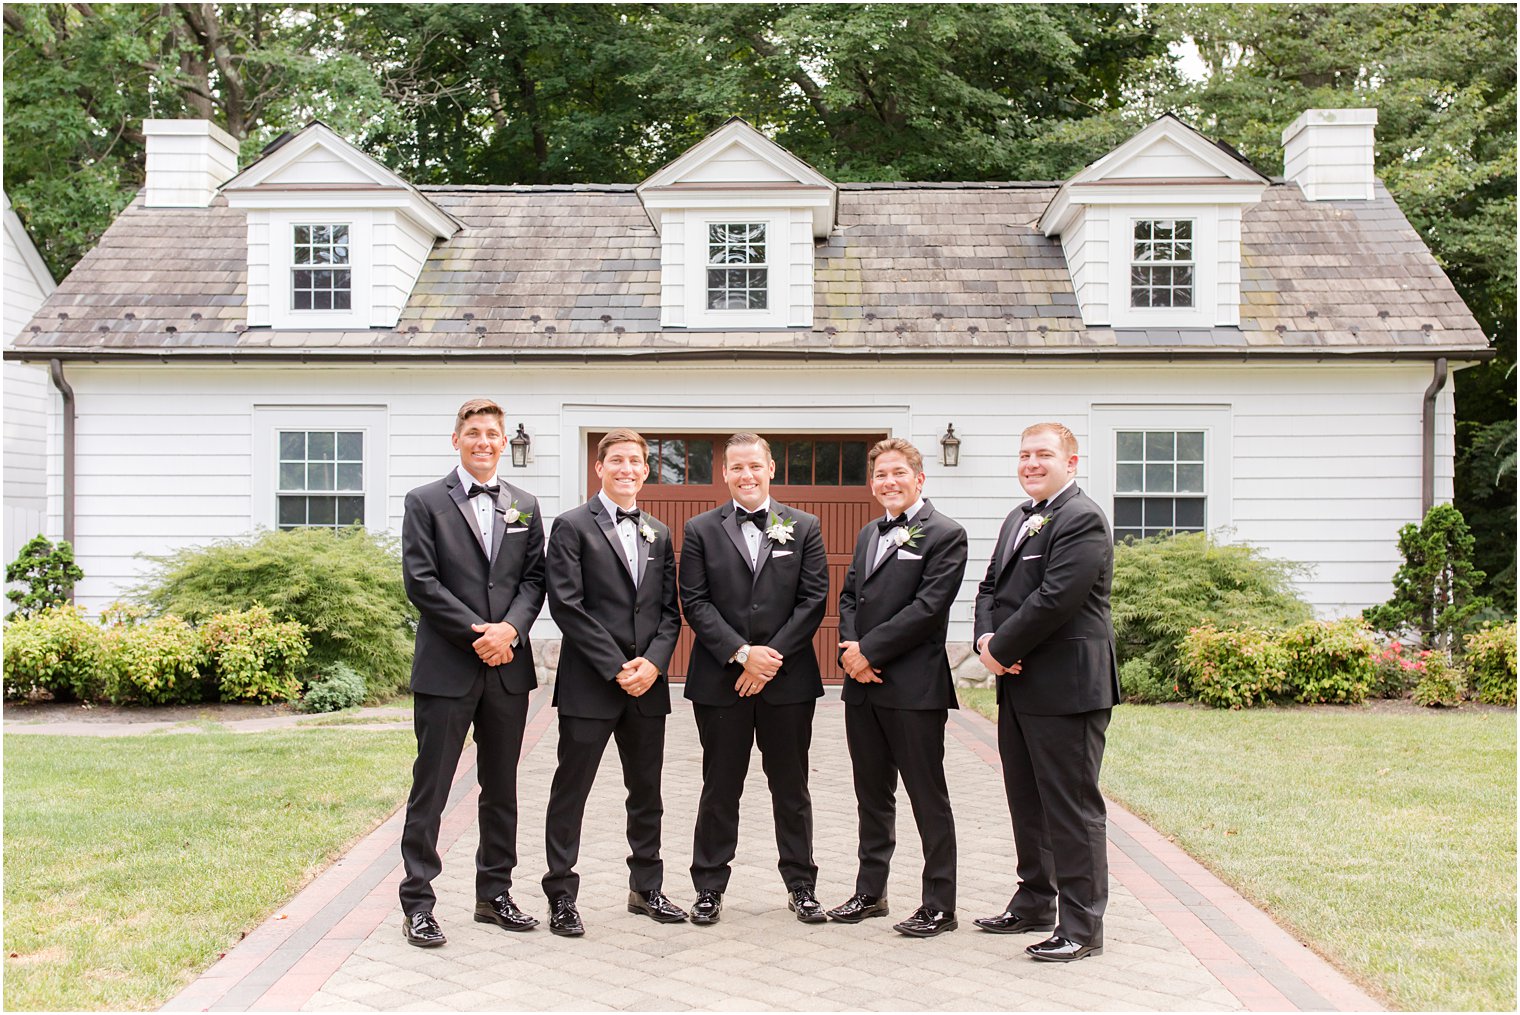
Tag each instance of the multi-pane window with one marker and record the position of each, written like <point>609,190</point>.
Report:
<point>1158,482</point>
<point>1161,273</point>
<point>737,276</point>
<point>321,278</point>
<point>680,461</point>
<point>821,463</point>
<point>321,478</point>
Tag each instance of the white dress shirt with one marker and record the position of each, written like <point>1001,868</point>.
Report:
<point>885,543</point>
<point>627,532</point>
<point>483,505</point>
<point>753,535</point>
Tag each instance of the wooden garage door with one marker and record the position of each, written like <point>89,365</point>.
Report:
<point>823,474</point>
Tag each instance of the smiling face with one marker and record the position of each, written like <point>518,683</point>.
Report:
<point>480,440</point>
<point>894,484</point>
<point>748,471</point>
<point>622,469</point>
<point>1044,464</point>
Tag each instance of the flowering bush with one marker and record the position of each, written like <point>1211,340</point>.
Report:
<point>1236,668</point>
<point>1396,668</point>
<point>1441,683</point>
<point>1491,661</point>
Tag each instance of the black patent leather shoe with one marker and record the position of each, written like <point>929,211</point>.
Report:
<point>708,906</point>
<point>655,906</point>
<point>805,904</point>
<point>926,922</point>
<point>1063,949</point>
<point>1007,923</point>
<point>859,907</point>
<point>503,912</point>
<point>564,918</point>
<point>422,930</point>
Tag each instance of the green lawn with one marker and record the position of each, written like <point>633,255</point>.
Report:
<point>1385,840</point>
<point>131,862</point>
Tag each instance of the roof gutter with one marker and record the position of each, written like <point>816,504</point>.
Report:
<point>1428,438</point>
<point>55,371</point>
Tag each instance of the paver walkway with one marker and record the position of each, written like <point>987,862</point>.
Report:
<point>1177,939</point>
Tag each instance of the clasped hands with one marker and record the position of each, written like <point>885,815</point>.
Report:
<point>857,666</point>
<point>494,646</point>
<point>996,668</point>
<point>763,663</point>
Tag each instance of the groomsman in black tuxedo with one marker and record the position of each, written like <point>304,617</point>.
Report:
<point>472,551</point>
<point>754,585</point>
<point>1043,626</point>
<point>612,592</point>
<point>893,613</point>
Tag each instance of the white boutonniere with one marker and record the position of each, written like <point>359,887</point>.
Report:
<point>514,516</point>
<point>906,536</point>
<point>1037,523</point>
<point>646,532</point>
<point>779,529</point>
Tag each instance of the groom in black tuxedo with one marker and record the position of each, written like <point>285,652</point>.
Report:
<point>472,552</point>
<point>893,614</point>
<point>612,592</point>
<point>1043,626</point>
<point>754,585</point>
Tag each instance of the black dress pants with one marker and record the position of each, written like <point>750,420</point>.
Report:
<point>641,748</point>
<point>728,732</point>
<point>498,717</point>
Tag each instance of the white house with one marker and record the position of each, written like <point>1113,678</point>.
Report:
<point>287,345</point>
<point>27,283</point>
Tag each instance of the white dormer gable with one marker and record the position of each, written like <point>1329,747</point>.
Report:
<point>737,215</point>
<point>1151,231</point>
<point>335,239</point>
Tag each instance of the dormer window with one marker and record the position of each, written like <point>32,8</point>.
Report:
<point>320,276</point>
<point>738,276</point>
<point>1161,274</point>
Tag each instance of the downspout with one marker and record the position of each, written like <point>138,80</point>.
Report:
<point>55,371</point>
<point>1428,439</point>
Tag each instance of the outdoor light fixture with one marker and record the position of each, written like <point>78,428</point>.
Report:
<point>950,447</point>
<point>520,445</point>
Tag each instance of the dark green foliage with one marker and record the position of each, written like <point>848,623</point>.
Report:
<point>159,661</point>
<point>1141,684</point>
<point>48,571</point>
<point>1433,589</point>
<point>1490,659</point>
<point>57,652</point>
<point>1330,662</point>
<point>1441,684</point>
<point>343,587</point>
<point>1167,585</point>
<point>338,686</point>
<point>252,657</point>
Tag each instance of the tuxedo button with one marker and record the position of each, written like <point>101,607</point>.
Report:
<point>490,585</point>
<point>635,609</point>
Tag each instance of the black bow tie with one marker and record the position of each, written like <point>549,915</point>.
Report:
<point>1030,509</point>
<point>632,516</point>
<point>886,524</point>
<point>755,518</point>
<point>476,490</point>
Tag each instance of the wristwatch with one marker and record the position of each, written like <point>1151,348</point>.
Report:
<point>742,656</point>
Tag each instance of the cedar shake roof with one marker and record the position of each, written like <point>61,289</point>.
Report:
<point>930,269</point>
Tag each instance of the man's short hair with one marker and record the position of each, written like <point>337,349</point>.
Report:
<point>621,436</point>
<point>1065,436</point>
<point>908,451</point>
<point>479,407</point>
<point>743,440</point>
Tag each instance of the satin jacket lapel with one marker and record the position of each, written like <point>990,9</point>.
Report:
<point>1050,510</point>
<point>457,494</point>
<point>765,542</point>
<point>1002,552</point>
<point>730,524</point>
<point>609,529</point>
<point>499,523</point>
<point>641,552</point>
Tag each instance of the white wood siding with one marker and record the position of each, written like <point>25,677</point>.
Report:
<point>800,277</point>
<point>1086,245</point>
<point>27,283</point>
<point>1324,459</point>
<point>320,165</point>
<point>673,269</point>
<point>401,247</point>
<point>1165,159</point>
<point>737,164</point>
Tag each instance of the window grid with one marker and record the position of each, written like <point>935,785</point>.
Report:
<point>321,479</point>
<point>320,278</point>
<point>678,461</point>
<point>1158,482</point>
<point>737,275</point>
<point>821,463</point>
<point>1161,274</point>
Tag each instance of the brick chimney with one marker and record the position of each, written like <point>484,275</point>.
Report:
<point>187,161</point>
<point>1328,153</point>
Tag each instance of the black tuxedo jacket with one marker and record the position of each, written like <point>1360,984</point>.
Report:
<point>779,604</point>
<point>900,610</point>
<point>1046,605</point>
<point>455,581</point>
<point>605,616</point>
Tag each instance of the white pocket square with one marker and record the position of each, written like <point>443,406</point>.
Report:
<point>905,555</point>
<point>782,553</point>
<point>521,528</point>
<point>1033,556</point>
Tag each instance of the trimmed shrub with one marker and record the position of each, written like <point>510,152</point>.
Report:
<point>47,570</point>
<point>1167,585</point>
<point>1234,668</point>
<point>1141,684</point>
<point>1440,684</point>
<point>157,662</point>
<point>1395,669</point>
<point>1434,589</point>
<point>253,658</point>
<point>56,651</point>
<point>1490,660</point>
<point>1330,661</point>
<point>337,687</point>
<point>343,587</point>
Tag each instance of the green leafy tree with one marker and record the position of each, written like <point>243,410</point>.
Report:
<point>1433,590</point>
<point>47,570</point>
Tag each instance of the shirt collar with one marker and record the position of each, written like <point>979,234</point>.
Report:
<point>766,507</point>
<point>1053,497</point>
<point>612,506</point>
<point>913,511</point>
<point>468,480</point>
